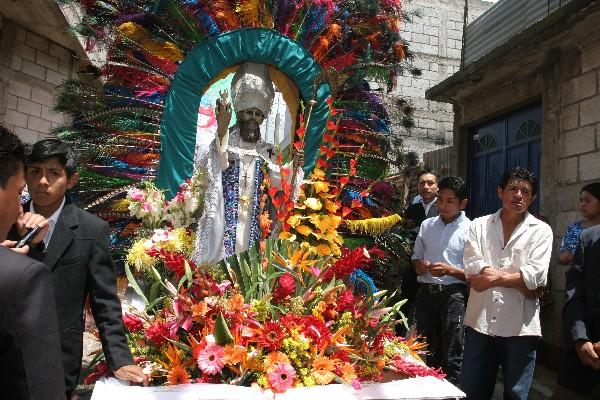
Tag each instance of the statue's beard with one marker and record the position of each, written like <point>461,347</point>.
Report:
<point>250,131</point>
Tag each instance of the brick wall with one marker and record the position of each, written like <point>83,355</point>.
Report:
<point>31,69</point>
<point>435,38</point>
<point>579,133</point>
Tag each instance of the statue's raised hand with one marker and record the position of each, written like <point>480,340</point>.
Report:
<point>223,114</point>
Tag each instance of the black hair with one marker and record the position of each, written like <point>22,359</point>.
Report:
<point>429,171</point>
<point>12,155</point>
<point>456,184</point>
<point>593,189</point>
<point>519,173</point>
<point>54,148</point>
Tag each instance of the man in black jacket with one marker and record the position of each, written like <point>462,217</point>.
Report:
<point>426,207</point>
<point>419,212</point>
<point>30,367</point>
<point>78,256</point>
<point>580,370</point>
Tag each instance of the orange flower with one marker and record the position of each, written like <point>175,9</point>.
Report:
<point>199,311</point>
<point>287,236</point>
<point>348,374</point>
<point>234,354</point>
<point>322,370</point>
<point>303,230</point>
<point>236,303</point>
<point>273,358</point>
<point>323,250</point>
<point>178,376</point>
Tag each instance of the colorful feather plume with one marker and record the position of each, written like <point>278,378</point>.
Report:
<point>117,110</point>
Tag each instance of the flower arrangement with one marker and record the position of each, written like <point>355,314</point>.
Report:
<point>277,315</point>
<point>288,312</point>
<point>149,204</point>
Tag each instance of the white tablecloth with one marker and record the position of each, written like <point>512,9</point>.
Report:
<point>414,388</point>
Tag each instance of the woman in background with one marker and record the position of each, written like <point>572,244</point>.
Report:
<point>589,206</point>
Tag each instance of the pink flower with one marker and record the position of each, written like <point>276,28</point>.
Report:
<point>281,377</point>
<point>211,359</point>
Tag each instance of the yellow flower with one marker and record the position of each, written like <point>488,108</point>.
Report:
<point>313,203</point>
<point>318,174</point>
<point>321,187</point>
<point>328,222</point>
<point>323,250</point>
<point>294,220</point>
<point>330,206</point>
<point>303,230</point>
<point>287,236</point>
<point>138,258</point>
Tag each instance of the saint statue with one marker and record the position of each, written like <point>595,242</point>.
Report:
<point>236,162</point>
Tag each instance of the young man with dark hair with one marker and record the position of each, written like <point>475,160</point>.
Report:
<point>438,260</point>
<point>506,260</point>
<point>78,256</point>
<point>30,367</point>
<point>428,190</point>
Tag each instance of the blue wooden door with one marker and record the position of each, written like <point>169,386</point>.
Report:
<point>500,144</point>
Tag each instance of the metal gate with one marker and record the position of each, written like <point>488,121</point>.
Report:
<point>512,140</point>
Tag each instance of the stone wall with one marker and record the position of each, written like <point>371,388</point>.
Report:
<point>31,69</point>
<point>435,38</point>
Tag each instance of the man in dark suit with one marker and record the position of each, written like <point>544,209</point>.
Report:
<point>580,371</point>
<point>418,212</point>
<point>78,256</point>
<point>426,207</point>
<point>30,367</point>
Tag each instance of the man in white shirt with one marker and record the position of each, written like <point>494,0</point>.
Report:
<point>506,260</point>
<point>442,295</point>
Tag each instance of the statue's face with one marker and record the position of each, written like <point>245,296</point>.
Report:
<point>250,121</point>
<point>251,114</point>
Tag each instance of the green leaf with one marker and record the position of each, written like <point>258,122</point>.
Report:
<point>188,272</point>
<point>222,334</point>
<point>182,346</point>
<point>155,302</point>
<point>156,274</point>
<point>153,292</point>
<point>134,283</point>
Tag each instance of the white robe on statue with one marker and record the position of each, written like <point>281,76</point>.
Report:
<point>229,222</point>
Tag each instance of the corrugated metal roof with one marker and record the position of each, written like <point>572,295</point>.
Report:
<point>502,21</point>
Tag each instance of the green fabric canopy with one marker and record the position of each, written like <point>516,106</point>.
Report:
<point>205,62</point>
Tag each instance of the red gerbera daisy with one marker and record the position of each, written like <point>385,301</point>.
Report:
<point>271,336</point>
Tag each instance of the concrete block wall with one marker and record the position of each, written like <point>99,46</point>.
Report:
<point>31,70</point>
<point>435,38</point>
<point>578,151</point>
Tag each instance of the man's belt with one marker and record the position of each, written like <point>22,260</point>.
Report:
<point>438,287</point>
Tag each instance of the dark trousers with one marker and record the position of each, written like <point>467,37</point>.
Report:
<point>483,355</point>
<point>438,316</point>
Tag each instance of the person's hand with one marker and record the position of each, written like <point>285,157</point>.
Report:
<point>483,280</point>
<point>11,244</point>
<point>440,269</point>
<point>422,266</point>
<point>587,355</point>
<point>223,114</point>
<point>132,373</point>
<point>565,257</point>
<point>26,221</point>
